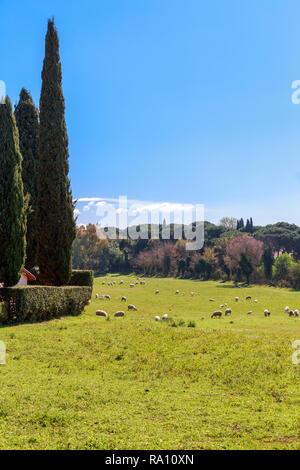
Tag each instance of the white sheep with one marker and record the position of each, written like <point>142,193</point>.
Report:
<point>227,311</point>
<point>157,318</point>
<point>211,300</point>
<point>119,314</point>
<point>192,293</point>
<point>121,282</point>
<point>291,313</point>
<point>124,299</point>
<point>249,313</point>
<point>101,313</point>
<point>132,307</point>
<point>131,285</point>
<point>287,309</point>
<point>296,313</point>
<point>97,295</point>
<point>267,313</point>
<point>256,301</point>
<point>106,297</point>
<point>221,306</point>
<point>177,292</point>
<point>248,297</point>
<point>236,299</point>
<point>157,291</point>
<point>165,316</point>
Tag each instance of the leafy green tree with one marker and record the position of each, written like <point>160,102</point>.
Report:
<point>295,275</point>
<point>13,204</point>
<point>268,260</point>
<point>282,267</point>
<point>56,229</point>
<point>246,266</point>
<point>181,265</point>
<point>27,119</point>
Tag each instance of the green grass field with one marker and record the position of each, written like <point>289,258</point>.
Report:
<point>133,383</point>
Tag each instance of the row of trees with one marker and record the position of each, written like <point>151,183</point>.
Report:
<point>37,225</point>
<point>267,254</point>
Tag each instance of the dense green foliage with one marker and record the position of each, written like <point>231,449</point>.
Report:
<point>40,303</point>
<point>56,231</point>
<point>13,204</point>
<point>27,119</point>
<point>82,278</point>
<point>133,383</point>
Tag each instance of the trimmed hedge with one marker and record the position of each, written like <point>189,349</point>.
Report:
<point>39,303</point>
<point>82,278</point>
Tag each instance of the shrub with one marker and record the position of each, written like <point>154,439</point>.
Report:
<point>40,303</point>
<point>82,278</point>
<point>295,275</point>
<point>282,267</point>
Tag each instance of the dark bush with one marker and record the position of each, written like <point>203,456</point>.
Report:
<point>82,278</point>
<point>39,303</point>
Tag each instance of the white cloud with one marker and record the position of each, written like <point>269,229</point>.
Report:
<point>86,208</point>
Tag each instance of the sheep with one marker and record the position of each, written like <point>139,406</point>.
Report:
<point>131,285</point>
<point>124,298</point>
<point>287,309</point>
<point>132,307</point>
<point>256,301</point>
<point>211,300</point>
<point>157,291</point>
<point>97,295</point>
<point>248,297</point>
<point>291,313</point>
<point>227,311</point>
<point>267,313</point>
<point>119,314</point>
<point>249,313</point>
<point>165,316</point>
<point>103,283</point>
<point>121,282</point>
<point>192,293</point>
<point>106,297</point>
<point>101,313</point>
<point>296,313</point>
<point>142,283</point>
<point>221,306</point>
<point>216,314</point>
<point>236,299</point>
<point>89,302</point>
<point>177,292</point>
<point>157,318</point>
<point>136,283</point>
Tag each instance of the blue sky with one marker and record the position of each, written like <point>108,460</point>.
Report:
<point>179,101</point>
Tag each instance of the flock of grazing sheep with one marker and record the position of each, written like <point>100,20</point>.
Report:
<point>215,314</point>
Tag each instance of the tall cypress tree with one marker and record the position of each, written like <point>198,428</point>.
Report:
<point>27,118</point>
<point>56,231</point>
<point>13,205</point>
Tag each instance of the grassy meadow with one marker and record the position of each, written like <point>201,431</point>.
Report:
<point>133,383</point>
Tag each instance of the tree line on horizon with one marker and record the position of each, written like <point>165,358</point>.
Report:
<point>37,226</point>
<point>248,253</point>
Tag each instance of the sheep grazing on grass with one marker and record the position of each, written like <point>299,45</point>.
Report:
<point>221,306</point>
<point>119,314</point>
<point>157,292</point>
<point>132,307</point>
<point>256,301</point>
<point>296,313</point>
<point>124,299</point>
<point>142,283</point>
<point>131,285</point>
<point>165,317</point>
<point>103,283</point>
<point>157,318</point>
<point>89,302</point>
<point>211,300</point>
<point>267,313</point>
<point>291,313</point>
<point>236,299</point>
<point>177,292</point>
<point>121,282</point>
<point>216,314</point>
<point>227,311</point>
<point>97,295</point>
<point>192,293</point>
<point>287,309</point>
<point>101,313</point>
<point>248,297</point>
<point>249,313</point>
<point>106,297</point>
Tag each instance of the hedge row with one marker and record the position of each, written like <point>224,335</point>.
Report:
<point>82,278</point>
<point>38,303</point>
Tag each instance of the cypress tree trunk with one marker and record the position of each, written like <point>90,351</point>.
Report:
<point>56,231</point>
<point>27,118</point>
<point>13,205</point>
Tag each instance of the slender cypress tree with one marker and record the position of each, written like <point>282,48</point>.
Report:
<point>56,230</point>
<point>13,205</point>
<point>27,118</point>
